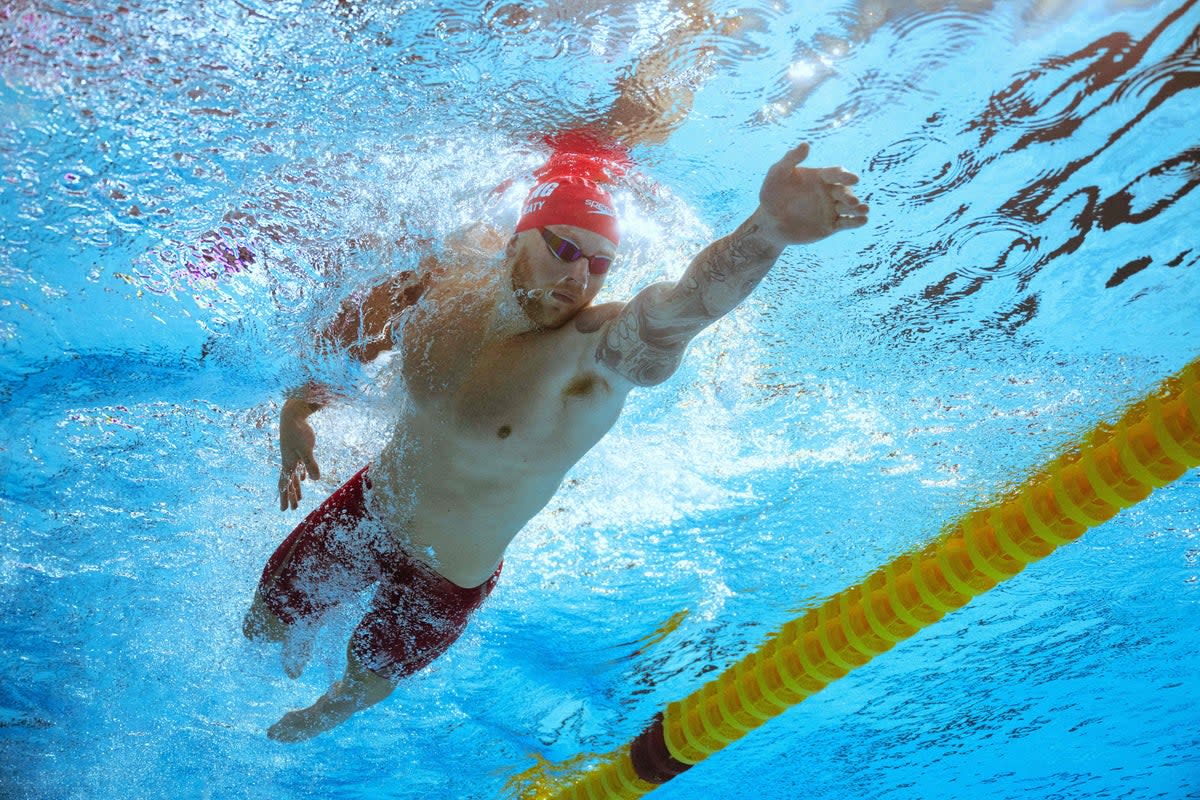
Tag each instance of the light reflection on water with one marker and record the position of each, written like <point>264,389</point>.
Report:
<point>186,191</point>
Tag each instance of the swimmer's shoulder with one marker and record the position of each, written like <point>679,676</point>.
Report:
<point>593,318</point>
<point>457,265</point>
<point>477,239</point>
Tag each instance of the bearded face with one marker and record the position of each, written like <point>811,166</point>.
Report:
<point>550,291</point>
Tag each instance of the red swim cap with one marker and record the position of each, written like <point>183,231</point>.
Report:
<point>570,200</point>
<point>568,191</point>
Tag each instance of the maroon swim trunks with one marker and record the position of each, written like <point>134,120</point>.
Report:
<point>339,550</point>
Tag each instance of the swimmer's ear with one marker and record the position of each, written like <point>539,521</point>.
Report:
<point>511,248</point>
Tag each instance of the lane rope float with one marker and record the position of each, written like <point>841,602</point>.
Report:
<point>1113,467</point>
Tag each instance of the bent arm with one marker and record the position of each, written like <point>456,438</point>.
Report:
<point>656,95</point>
<point>363,329</point>
<point>363,326</point>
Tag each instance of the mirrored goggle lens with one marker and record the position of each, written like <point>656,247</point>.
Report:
<point>598,265</point>
<point>566,250</point>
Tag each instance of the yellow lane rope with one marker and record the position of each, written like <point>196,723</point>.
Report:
<point>1156,441</point>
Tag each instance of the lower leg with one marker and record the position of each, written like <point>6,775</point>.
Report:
<point>358,689</point>
<point>261,623</point>
<point>297,647</point>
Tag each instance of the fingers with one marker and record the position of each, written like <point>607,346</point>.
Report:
<point>850,216</point>
<point>792,158</point>
<point>851,209</point>
<point>834,176</point>
<point>846,223</point>
<point>846,203</point>
<point>290,493</point>
<point>841,195</point>
<point>837,175</point>
<point>310,466</point>
<point>298,464</point>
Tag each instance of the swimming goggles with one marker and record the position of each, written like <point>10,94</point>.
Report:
<point>566,250</point>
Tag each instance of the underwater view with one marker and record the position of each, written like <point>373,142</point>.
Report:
<point>190,193</point>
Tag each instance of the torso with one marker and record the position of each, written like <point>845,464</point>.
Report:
<point>493,424</point>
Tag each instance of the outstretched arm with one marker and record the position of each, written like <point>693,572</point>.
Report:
<point>797,205</point>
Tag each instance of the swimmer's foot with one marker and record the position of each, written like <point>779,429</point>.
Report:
<point>305,723</point>
<point>296,651</point>
<point>297,726</point>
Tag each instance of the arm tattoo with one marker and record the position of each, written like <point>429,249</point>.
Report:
<point>630,349</point>
<point>645,343</point>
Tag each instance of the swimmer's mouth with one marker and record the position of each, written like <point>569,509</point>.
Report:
<point>563,297</point>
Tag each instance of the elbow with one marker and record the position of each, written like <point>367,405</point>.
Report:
<point>368,351</point>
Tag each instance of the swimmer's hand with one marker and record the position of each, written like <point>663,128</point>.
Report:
<point>296,444</point>
<point>799,205</point>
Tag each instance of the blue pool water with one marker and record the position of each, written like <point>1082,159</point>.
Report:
<point>1031,265</point>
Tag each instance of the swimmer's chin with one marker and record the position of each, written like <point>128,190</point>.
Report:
<point>544,309</point>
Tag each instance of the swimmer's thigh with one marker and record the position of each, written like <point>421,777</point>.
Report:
<point>330,556</point>
<point>407,628</point>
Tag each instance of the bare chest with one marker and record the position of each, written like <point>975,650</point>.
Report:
<point>536,393</point>
<point>538,396</point>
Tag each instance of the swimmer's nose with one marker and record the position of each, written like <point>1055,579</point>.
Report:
<point>577,271</point>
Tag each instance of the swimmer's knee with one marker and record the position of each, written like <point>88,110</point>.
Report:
<point>383,689</point>
<point>260,623</point>
<point>296,651</point>
<point>373,686</point>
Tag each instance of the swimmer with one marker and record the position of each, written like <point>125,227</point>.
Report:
<point>512,375</point>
